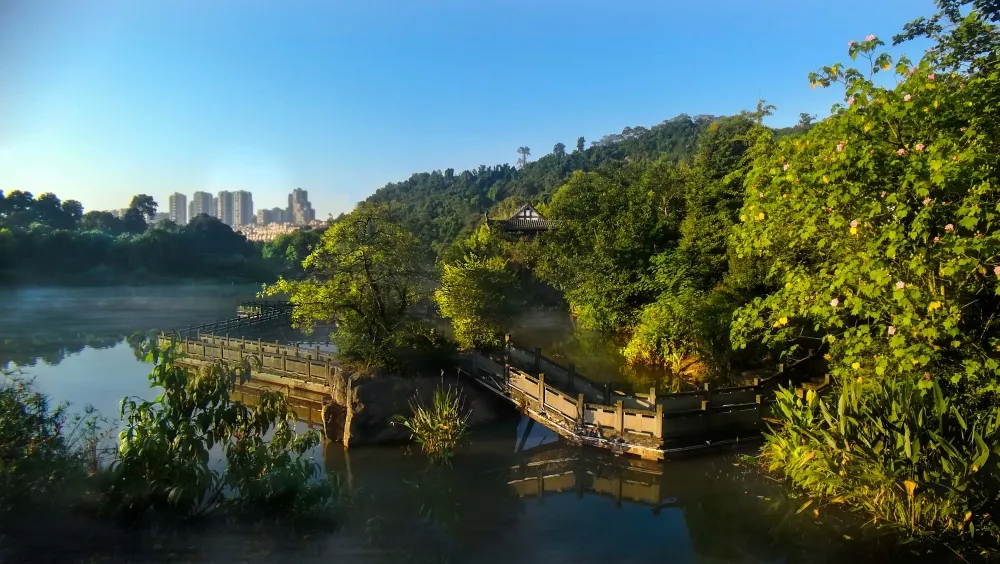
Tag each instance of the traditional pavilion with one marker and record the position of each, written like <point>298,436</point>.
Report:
<point>525,220</point>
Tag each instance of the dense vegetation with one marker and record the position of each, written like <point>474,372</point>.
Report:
<point>160,466</point>
<point>43,239</point>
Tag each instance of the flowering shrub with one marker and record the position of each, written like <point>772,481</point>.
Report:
<point>878,226</point>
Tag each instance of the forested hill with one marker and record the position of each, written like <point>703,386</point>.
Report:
<point>438,205</point>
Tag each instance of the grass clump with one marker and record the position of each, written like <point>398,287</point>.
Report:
<point>439,427</point>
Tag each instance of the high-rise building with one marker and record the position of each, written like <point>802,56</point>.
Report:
<point>242,208</point>
<point>201,203</point>
<point>300,211</point>
<point>178,208</point>
<point>224,208</point>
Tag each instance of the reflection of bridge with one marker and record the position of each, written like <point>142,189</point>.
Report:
<point>561,471</point>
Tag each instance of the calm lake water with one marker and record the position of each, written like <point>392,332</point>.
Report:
<point>513,494</point>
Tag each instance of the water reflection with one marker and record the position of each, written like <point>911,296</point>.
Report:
<point>596,355</point>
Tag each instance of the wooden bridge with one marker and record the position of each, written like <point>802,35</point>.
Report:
<point>302,375</point>
<point>582,411</point>
<point>248,314</point>
<point>649,425</point>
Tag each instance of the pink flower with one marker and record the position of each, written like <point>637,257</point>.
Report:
<point>883,193</point>
<point>869,38</point>
<point>785,167</point>
<point>919,147</point>
<point>937,239</point>
<point>955,158</point>
<point>930,76</point>
<point>962,129</point>
<point>760,195</point>
<point>949,227</point>
<point>892,330</point>
<point>901,152</point>
<point>840,147</point>
<point>900,285</point>
<point>907,98</point>
<point>854,223</point>
<point>835,302</point>
<point>927,201</point>
<point>851,43</point>
<point>996,270</point>
<point>850,101</point>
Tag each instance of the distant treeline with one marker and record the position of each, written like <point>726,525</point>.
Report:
<point>46,240</point>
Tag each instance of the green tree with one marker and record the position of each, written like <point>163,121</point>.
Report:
<point>475,295</point>
<point>525,152</point>
<point>362,277</point>
<point>580,144</point>
<point>879,230</point>
<point>559,150</point>
<point>611,223</point>
<point>101,221</point>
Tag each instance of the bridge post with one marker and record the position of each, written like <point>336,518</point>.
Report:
<point>580,408</point>
<point>652,396</point>
<point>620,417</point>
<point>506,359</point>
<point>541,391</point>
<point>284,357</point>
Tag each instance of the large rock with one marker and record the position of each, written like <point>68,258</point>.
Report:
<point>366,404</point>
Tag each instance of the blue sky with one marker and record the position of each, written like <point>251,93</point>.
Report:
<point>103,99</point>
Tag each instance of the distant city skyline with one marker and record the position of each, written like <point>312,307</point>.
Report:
<point>237,208</point>
<point>234,208</point>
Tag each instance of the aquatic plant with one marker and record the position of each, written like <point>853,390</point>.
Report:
<point>43,449</point>
<point>908,459</point>
<point>163,457</point>
<point>440,427</point>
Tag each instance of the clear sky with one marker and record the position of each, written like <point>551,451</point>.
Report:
<point>103,99</point>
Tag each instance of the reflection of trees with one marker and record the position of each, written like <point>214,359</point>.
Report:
<point>52,350</point>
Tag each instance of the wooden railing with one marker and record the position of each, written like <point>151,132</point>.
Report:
<point>251,309</point>
<point>242,320</point>
<point>310,365</point>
